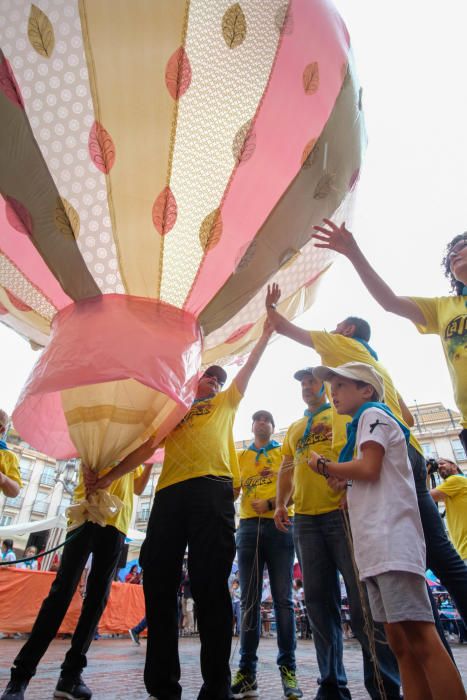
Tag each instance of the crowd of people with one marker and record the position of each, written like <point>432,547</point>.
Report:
<point>347,491</point>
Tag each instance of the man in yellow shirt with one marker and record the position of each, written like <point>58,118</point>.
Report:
<point>349,342</point>
<point>323,549</point>
<point>259,543</point>
<point>453,491</point>
<point>194,507</point>
<point>10,477</point>
<point>106,544</point>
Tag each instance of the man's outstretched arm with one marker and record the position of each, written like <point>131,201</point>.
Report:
<point>279,323</point>
<point>338,238</point>
<point>244,375</point>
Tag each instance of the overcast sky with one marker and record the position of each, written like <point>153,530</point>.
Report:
<point>411,64</point>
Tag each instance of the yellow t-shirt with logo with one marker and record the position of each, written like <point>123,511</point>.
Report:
<point>335,350</point>
<point>123,488</point>
<point>312,495</point>
<point>202,444</point>
<point>455,489</point>
<point>447,317</point>
<point>9,466</point>
<point>258,479</point>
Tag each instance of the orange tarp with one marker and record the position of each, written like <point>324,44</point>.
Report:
<point>22,592</point>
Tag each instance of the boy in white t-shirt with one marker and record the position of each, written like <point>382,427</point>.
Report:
<point>386,529</point>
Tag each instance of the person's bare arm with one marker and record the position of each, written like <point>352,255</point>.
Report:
<point>284,493</point>
<point>280,324</point>
<point>365,468</point>
<point>338,238</point>
<point>9,486</point>
<point>131,461</point>
<point>244,375</point>
<point>437,495</point>
<point>406,414</point>
<point>140,483</point>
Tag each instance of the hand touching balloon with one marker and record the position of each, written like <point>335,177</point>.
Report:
<point>336,238</point>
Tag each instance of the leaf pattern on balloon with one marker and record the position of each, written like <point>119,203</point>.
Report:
<point>307,160</point>
<point>101,148</point>
<point>234,26</point>
<point>66,218</point>
<point>18,216</point>
<point>311,78</point>
<point>8,84</point>
<point>283,20</point>
<point>239,333</point>
<point>40,32</point>
<point>17,303</point>
<point>178,73</point>
<point>164,211</point>
<point>324,187</point>
<point>244,143</point>
<point>210,231</point>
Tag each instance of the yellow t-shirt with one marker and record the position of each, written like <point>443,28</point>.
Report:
<point>447,317</point>
<point>336,349</point>
<point>455,489</point>
<point>312,495</point>
<point>123,488</point>
<point>202,444</point>
<point>259,479</point>
<point>9,466</point>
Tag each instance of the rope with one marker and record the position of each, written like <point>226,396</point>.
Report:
<point>44,554</point>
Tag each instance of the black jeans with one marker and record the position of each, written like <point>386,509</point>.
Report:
<point>441,557</point>
<point>198,513</point>
<point>106,544</point>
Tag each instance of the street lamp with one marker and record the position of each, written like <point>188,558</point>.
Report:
<point>66,475</point>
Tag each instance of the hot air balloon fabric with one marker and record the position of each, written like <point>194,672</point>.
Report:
<point>160,164</point>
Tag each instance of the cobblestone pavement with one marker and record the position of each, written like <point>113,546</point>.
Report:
<point>115,668</point>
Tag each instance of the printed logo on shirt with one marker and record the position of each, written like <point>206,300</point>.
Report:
<point>320,432</point>
<point>376,424</point>
<point>455,336</point>
<point>202,409</point>
<point>252,483</point>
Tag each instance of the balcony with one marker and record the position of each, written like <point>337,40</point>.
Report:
<point>40,507</point>
<point>143,515</point>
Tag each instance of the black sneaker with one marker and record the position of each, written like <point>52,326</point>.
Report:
<point>15,689</point>
<point>134,636</point>
<point>289,683</point>
<point>244,685</point>
<point>72,688</point>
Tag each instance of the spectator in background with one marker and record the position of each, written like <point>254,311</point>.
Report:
<point>10,478</point>
<point>7,551</point>
<point>235,595</point>
<point>30,551</point>
<point>453,491</point>
<point>134,575</point>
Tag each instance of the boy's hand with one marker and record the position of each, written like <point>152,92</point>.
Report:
<point>336,238</point>
<point>273,295</point>
<point>281,518</point>
<point>260,505</point>
<point>90,479</point>
<point>313,461</point>
<point>337,484</point>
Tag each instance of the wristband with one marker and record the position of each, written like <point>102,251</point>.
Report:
<point>272,306</point>
<point>321,466</point>
<point>270,504</point>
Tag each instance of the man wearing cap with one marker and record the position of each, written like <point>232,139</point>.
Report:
<point>194,506</point>
<point>259,543</point>
<point>349,342</point>
<point>10,477</point>
<point>323,549</point>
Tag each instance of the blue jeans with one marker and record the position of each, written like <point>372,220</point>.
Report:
<point>140,627</point>
<point>259,542</point>
<point>323,550</point>
<point>236,615</point>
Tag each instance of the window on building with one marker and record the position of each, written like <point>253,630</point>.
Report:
<point>64,504</point>
<point>143,514</point>
<point>15,502</point>
<point>429,451</point>
<point>41,504</point>
<point>149,487</point>
<point>48,476</point>
<point>25,466</point>
<point>6,520</point>
<point>458,449</point>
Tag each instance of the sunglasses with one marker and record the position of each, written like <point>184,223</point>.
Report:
<point>213,376</point>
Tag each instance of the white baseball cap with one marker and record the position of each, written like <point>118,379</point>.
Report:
<point>358,371</point>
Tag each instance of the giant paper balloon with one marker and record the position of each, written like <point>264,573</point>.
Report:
<point>160,163</point>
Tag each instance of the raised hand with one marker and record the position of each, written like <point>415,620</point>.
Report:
<point>335,237</point>
<point>273,295</point>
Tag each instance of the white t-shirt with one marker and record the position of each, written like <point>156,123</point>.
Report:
<point>384,516</point>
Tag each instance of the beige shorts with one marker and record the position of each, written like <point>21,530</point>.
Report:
<point>399,596</point>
